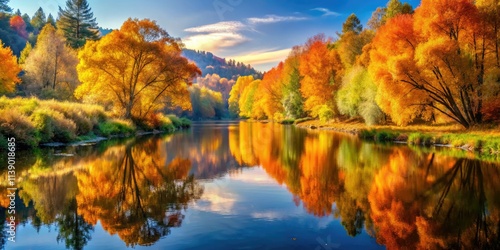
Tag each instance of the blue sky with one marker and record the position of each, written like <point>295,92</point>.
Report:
<point>259,32</point>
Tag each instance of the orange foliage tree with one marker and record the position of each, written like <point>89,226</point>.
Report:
<point>8,70</point>
<point>137,70</point>
<point>435,58</point>
<point>322,69</point>
<point>17,23</point>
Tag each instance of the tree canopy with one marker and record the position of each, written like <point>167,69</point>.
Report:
<point>8,70</point>
<point>137,69</point>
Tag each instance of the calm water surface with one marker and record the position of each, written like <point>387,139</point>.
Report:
<point>253,186</point>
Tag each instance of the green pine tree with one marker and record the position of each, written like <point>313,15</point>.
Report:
<point>4,7</point>
<point>51,20</point>
<point>78,23</point>
<point>38,20</point>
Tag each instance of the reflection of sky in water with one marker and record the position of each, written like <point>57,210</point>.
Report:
<point>246,210</point>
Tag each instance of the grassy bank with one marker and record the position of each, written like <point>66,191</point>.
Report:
<point>33,122</point>
<point>485,140</point>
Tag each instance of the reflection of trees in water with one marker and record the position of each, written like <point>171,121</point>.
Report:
<point>462,214</point>
<point>134,194</point>
<point>131,188</point>
<point>73,229</point>
<point>436,203</point>
<point>402,197</point>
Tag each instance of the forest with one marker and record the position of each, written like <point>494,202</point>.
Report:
<point>436,64</point>
<point>64,78</point>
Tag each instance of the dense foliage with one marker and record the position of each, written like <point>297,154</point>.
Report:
<point>437,64</point>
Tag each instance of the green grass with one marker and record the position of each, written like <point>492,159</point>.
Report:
<point>483,143</point>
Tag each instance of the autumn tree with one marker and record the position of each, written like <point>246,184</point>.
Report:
<point>322,70</point>
<point>78,23</point>
<point>247,100</point>
<point>136,70</point>
<point>19,26</point>
<point>236,92</point>
<point>292,100</point>
<point>271,95</point>
<point>216,83</point>
<point>25,53</point>
<point>356,97</point>
<point>436,59</point>
<point>350,46</point>
<point>382,14</point>
<point>51,66</point>
<point>489,11</point>
<point>206,103</point>
<point>8,70</point>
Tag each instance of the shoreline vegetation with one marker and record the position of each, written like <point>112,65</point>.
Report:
<point>33,122</point>
<point>484,140</point>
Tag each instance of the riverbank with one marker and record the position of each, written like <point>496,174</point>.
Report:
<point>485,140</point>
<point>33,122</point>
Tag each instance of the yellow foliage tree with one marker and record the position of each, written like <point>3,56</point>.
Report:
<point>136,70</point>
<point>51,66</point>
<point>8,70</point>
<point>236,92</point>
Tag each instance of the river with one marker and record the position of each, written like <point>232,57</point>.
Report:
<point>243,185</point>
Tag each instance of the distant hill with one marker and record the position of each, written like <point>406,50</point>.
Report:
<point>211,64</point>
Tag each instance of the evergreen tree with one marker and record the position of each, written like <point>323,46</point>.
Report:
<point>78,23</point>
<point>51,20</point>
<point>4,7</point>
<point>38,20</point>
<point>352,24</point>
<point>18,13</point>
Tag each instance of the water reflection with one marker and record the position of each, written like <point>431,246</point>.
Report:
<point>140,189</point>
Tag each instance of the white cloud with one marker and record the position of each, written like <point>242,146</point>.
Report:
<point>326,12</point>
<point>218,36</point>
<point>268,215</point>
<point>231,26</point>
<point>273,19</point>
<point>216,200</point>
<point>215,37</point>
<point>214,42</point>
<point>263,56</point>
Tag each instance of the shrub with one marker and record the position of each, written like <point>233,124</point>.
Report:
<point>420,139</point>
<point>53,126</point>
<point>14,124</point>
<point>175,120</point>
<point>185,122</point>
<point>166,124</point>
<point>115,127</point>
<point>86,117</point>
<point>385,136</point>
<point>325,113</point>
<point>25,106</point>
<point>367,134</point>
